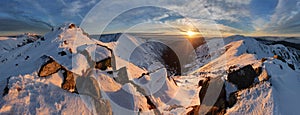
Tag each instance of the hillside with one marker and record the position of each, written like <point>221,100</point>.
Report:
<point>66,72</point>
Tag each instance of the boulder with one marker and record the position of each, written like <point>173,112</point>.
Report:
<point>232,99</point>
<point>258,70</point>
<point>263,76</point>
<point>103,64</point>
<point>88,86</point>
<point>103,107</point>
<point>243,77</point>
<point>49,68</point>
<point>263,60</point>
<point>69,81</point>
<point>204,83</point>
<point>71,26</point>
<point>279,58</point>
<point>219,107</point>
<point>6,89</point>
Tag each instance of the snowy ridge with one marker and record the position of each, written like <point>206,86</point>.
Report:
<point>63,45</point>
<point>144,85</point>
<point>12,42</point>
<point>275,96</point>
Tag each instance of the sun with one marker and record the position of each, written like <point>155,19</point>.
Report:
<point>190,33</point>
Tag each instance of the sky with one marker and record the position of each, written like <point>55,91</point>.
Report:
<point>230,17</point>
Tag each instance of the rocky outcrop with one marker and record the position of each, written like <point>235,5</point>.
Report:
<point>279,58</point>
<point>204,84</point>
<point>49,68</point>
<point>103,64</point>
<point>69,81</point>
<point>6,89</point>
<point>232,99</point>
<point>258,70</point>
<point>263,76</point>
<point>219,107</point>
<point>89,86</point>
<point>71,26</point>
<point>243,77</point>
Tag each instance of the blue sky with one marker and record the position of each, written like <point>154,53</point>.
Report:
<point>248,17</point>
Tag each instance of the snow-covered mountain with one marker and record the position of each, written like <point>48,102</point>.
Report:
<point>66,72</point>
<point>12,42</point>
<point>274,90</point>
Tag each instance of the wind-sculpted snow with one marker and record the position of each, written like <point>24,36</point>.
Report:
<point>275,94</point>
<point>76,53</point>
<point>10,43</point>
<point>70,48</point>
<point>142,83</point>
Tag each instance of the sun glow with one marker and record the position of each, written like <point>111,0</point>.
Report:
<point>190,33</point>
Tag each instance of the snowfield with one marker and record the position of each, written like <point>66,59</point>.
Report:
<point>139,83</point>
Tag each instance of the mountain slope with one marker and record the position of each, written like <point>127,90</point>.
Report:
<point>278,95</point>
<point>142,82</point>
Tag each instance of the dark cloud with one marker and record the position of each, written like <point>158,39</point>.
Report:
<point>10,26</point>
<point>19,16</point>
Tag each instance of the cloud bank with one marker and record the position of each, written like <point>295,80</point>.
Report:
<point>249,17</point>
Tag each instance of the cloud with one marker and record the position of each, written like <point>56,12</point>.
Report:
<point>73,8</point>
<point>43,13</point>
<point>231,10</point>
<point>231,16</point>
<point>234,13</point>
<point>206,27</point>
<point>12,27</point>
<point>259,24</point>
<point>286,18</point>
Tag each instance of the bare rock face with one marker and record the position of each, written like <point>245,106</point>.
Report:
<point>89,86</point>
<point>49,68</point>
<point>232,99</point>
<point>219,107</point>
<point>103,64</point>
<point>103,107</point>
<point>194,111</point>
<point>242,78</point>
<point>263,76</point>
<point>71,26</point>
<point>6,89</point>
<point>204,84</point>
<point>258,70</point>
<point>69,81</point>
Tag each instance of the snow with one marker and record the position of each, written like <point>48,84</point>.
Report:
<point>276,96</point>
<point>30,94</point>
<point>286,83</point>
<point>257,100</point>
<point>10,43</point>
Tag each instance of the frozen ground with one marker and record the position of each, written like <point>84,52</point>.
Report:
<point>30,94</point>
